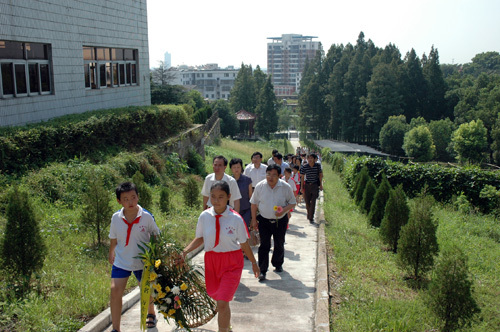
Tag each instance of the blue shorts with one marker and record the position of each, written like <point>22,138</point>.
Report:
<point>117,273</point>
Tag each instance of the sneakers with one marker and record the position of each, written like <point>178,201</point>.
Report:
<point>278,269</point>
<point>262,276</point>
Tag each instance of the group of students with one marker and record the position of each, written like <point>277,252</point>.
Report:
<point>257,196</point>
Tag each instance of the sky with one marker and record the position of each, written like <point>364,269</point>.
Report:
<point>231,32</point>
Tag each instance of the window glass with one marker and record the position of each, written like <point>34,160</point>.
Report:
<point>7,79</point>
<point>11,50</point>
<point>45,77</point>
<point>108,74</point>
<point>21,79</point>
<point>103,54</point>
<point>115,74</point>
<point>128,54</point>
<point>117,53</point>
<point>93,83</point>
<point>88,53</point>
<point>86,68</point>
<point>102,75</point>
<point>37,51</point>
<point>122,74</point>
<point>34,80</point>
<point>129,80</point>
<point>134,74</point>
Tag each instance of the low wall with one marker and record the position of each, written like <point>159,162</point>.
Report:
<point>194,138</point>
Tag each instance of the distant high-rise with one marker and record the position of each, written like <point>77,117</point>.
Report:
<point>286,56</point>
<point>168,60</point>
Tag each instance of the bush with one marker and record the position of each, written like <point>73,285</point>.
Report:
<point>165,200</point>
<point>145,195</point>
<point>361,181</point>
<point>337,162</point>
<point>368,195</point>
<point>396,215</point>
<point>195,163</point>
<point>97,210</point>
<point>379,201</point>
<point>418,242</point>
<point>191,192</point>
<point>23,248</point>
<point>450,293</point>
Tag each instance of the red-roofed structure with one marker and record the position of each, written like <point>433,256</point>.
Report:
<point>247,121</point>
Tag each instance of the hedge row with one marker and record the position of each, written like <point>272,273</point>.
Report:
<point>442,182</point>
<point>37,146</point>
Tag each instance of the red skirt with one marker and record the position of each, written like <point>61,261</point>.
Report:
<point>223,273</point>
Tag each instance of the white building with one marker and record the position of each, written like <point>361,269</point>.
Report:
<point>168,60</point>
<point>210,80</point>
<point>60,57</point>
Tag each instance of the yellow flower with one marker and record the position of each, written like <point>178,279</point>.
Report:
<point>167,289</point>
<point>179,302</point>
<point>157,263</point>
<point>153,276</point>
<point>275,208</point>
<point>157,287</point>
<point>184,287</point>
<point>171,312</point>
<point>162,295</point>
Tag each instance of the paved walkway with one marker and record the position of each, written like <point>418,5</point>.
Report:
<point>295,300</point>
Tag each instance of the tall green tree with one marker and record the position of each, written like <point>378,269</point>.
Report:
<point>259,78</point>
<point>413,86</point>
<point>392,134</point>
<point>396,215</point>
<point>377,208</point>
<point>470,142</point>
<point>436,107</point>
<point>266,111</point>
<point>418,144</point>
<point>441,131</point>
<point>243,94</point>
<point>229,125</point>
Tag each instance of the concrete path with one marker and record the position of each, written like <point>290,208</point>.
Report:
<point>295,300</point>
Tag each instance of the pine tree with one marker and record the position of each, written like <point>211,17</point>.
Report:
<point>450,293</point>
<point>266,111</point>
<point>363,178</point>
<point>97,210</point>
<point>418,242</point>
<point>379,201</point>
<point>396,215</point>
<point>145,195</point>
<point>191,192</point>
<point>165,199</point>
<point>243,94</point>
<point>368,195</point>
<point>23,248</point>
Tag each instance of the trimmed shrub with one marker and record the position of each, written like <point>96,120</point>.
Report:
<point>145,195</point>
<point>97,210</point>
<point>165,200</point>
<point>450,294</point>
<point>377,208</point>
<point>418,242</point>
<point>195,163</point>
<point>191,192</point>
<point>396,215</point>
<point>368,196</point>
<point>23,248</point>
<point>362,179</point>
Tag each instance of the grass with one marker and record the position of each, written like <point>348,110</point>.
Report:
<point>369,291</point>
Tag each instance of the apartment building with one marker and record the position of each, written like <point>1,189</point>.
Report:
<point>61,57</point>
<point>286,57</point>
<point>211,81</point>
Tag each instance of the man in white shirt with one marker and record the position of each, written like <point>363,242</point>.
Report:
<point>270,161</point>
<point>269,197</point>
<point>256,170</point>
<point>219,165</point>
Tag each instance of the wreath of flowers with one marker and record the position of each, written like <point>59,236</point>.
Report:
<point>178,290</point>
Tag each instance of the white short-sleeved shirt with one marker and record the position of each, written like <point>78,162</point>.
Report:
<point>256,174</point>
<point>292,184</point>
<point>234,190</point>
<point>125,256</point>
<point>266,197</point>
<point>233,230</point>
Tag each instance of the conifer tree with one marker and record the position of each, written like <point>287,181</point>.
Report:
<point>368,195</point>
<point>145,195</point>
<point>266,111</point>
<point>396,215</point>
<point>363,178</point>
<point>191,192</point>
<point>23,248</point>
<point>450,293</point>
<point>379,201</point>
<point>165,199</point>
<point>418,242</point>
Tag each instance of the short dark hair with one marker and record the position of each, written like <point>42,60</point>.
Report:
<point>222,185</point>
<point>278,155</point>
<point>288,169</point>
<point>125,187</point>
<point>273,166</point>
<point>274,152</point>
<point>257,153</point>
<point>220,157</point>
<point>295,166</point>
<point>235,161</point>
<point>314,155</point>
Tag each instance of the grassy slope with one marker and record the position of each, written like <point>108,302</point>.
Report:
<point>369,290</point>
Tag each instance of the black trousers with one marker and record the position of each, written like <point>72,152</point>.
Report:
<point>277,230</point>
<point>310,196</point>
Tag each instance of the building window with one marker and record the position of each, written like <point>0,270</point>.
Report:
<point>109,67</point>
<point>25,69</point>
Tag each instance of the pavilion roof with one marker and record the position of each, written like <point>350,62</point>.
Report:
<point>243,115</point>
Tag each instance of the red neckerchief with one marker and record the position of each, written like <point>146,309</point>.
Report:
<point>129,230</point>
<point>217,229</point>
